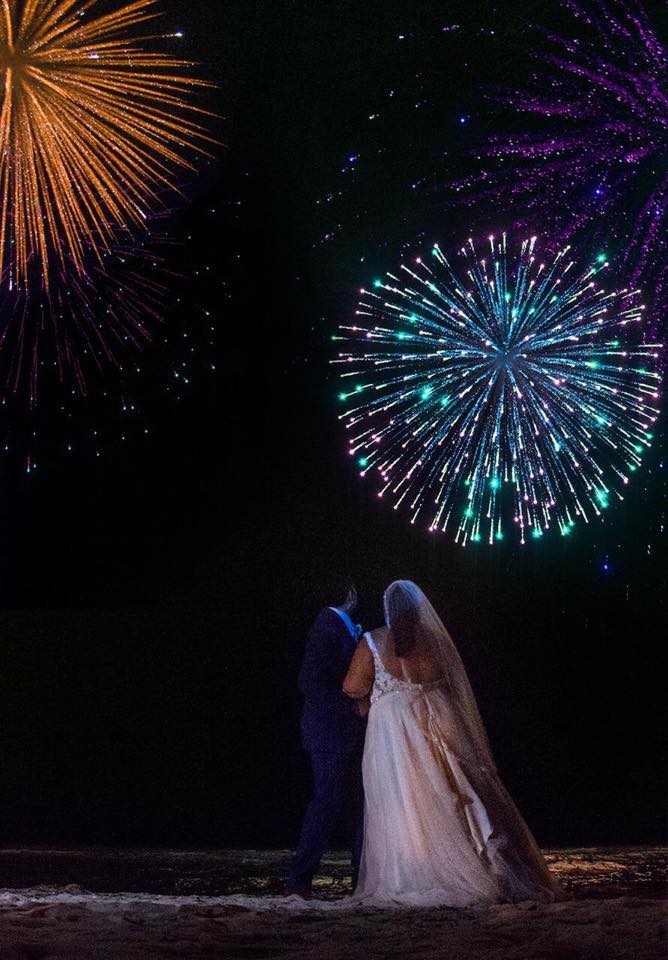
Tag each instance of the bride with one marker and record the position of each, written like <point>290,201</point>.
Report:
<point>439,826</point>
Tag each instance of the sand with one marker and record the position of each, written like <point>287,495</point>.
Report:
<point>616,912</point>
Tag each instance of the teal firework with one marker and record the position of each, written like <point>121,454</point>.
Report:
<point>515,399</point>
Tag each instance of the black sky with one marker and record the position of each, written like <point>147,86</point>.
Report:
<point>156,600</point>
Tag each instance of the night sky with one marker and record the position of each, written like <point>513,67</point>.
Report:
<point>156,599</point>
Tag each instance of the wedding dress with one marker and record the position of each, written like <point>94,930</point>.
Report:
<point>440,828</point>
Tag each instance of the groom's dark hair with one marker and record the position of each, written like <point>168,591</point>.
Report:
<point>335,589</point>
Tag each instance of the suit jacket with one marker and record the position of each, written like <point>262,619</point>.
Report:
<point>330,723</point>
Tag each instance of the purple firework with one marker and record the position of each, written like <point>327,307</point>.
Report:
<point>589,159</point>
<point>92,322</point>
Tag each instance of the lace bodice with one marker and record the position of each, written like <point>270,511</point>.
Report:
<point>384,682</point>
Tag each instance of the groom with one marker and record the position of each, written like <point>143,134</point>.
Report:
<point>333,735</point>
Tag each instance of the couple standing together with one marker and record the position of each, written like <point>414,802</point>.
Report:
<point>431,822</point>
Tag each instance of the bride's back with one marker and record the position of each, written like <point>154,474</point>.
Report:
<point>419,665</point>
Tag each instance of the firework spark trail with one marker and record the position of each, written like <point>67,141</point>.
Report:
<point>520,376</point>
<point>86,323</point>
<point>596,168</point>
<point>92,127</point>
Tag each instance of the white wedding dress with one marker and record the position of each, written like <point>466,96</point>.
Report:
<point>439,828</point>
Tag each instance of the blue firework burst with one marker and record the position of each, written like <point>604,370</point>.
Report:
<point>521,395</point>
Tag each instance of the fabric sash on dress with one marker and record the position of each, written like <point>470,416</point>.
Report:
<point>427,718</point>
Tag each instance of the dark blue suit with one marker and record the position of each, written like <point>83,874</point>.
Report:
<point>333,734</point>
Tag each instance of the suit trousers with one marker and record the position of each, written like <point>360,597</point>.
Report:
<point>337,789</point>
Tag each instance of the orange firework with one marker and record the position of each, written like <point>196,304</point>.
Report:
<point>92,129</point>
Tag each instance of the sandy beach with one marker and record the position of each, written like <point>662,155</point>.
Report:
<point>616,911</point>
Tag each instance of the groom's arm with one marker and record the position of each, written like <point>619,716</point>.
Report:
<point>321,664</point>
